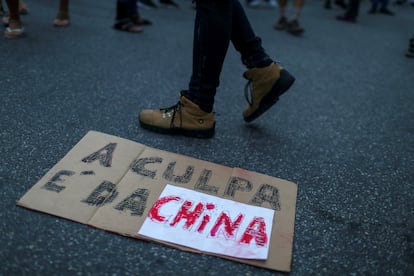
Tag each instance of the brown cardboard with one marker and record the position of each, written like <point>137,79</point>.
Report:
<point>111,183</point>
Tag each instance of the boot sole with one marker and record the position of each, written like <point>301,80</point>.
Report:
<point>204,133</point>
<point>281,86</point>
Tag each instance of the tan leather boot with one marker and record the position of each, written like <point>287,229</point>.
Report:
<point>265,85</point>
<point>185,118</point>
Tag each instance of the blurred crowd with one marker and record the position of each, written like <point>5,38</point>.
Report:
<point>128,18</point>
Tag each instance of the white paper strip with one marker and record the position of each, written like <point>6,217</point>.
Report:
<point>208,223</point>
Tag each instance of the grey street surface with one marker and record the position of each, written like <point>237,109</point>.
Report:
<point>344,133</point>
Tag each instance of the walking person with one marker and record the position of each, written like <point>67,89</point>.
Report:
<point>62,18</point>
<point>23,8</point>
<point>128,18</point>
<point>14,25</point>
<point>217,23</point>
<point>351,13</point>
<point>383,7</point>
<point>292,25</point>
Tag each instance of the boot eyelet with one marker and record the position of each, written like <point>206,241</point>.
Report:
<point>201,121</point>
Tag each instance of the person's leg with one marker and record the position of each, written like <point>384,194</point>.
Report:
<point>351,13</point>
<point>212,34</point>
<point>62,18</point>
<point>384,7</point>
<point>245,40</point>
<point>293,25</point>
<point>132,8</point>
<point>282,7</point>
<point>192,115</point>
<point>126,10</point>
<point>23,9</point>
<point>134,14</point>
<point>218,22</point>
<point>15,26</point>
<point>266,79</point>
<point>383,4</point>
<point>374,6</point>
<point>353,9</point>
<point>297,8</point>
<point>282,22</point>
<point>13,14</point>
<point>410,51</point>
<point>341,3</point>
<point>5,17</point>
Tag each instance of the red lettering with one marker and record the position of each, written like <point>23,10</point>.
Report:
<point>190,216</point>
<point>206,218</point>
<point>154,214</point>
<point>210,206</point>
<point>256,230</point>
<point>229,227</point>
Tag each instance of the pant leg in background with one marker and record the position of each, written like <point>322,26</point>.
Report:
<point>353,9</point>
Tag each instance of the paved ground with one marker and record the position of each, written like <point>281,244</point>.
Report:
<point>344,133</point>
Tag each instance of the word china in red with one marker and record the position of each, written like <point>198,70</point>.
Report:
<point>208,223</point>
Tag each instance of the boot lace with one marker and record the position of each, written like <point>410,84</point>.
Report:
<point>248,92</point>
<point>170,112</point>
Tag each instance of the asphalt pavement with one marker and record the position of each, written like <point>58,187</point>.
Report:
<point>344,133</point>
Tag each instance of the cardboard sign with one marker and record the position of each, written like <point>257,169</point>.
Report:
<point>114,184</point>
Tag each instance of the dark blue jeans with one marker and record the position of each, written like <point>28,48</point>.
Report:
<point>126,9</point>
<point>217,23</point>
<point>382,3</point>
<point>353,8</point>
